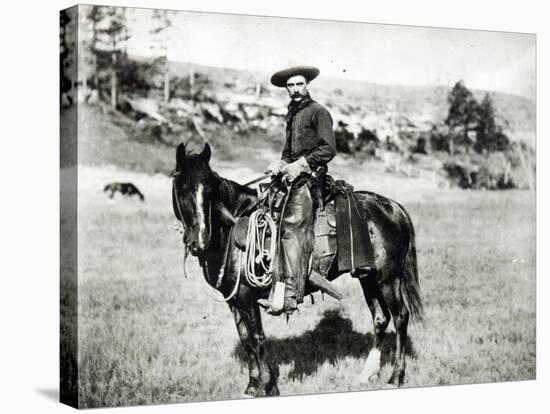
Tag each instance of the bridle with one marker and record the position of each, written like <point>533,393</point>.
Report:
<point>175,190</point>
<point>184,237</point>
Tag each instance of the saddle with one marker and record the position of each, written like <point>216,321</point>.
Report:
<point>341,229</point>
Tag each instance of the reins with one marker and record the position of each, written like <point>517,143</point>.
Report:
<point>261,197</point>
<point>257,180</point>
<point>183,230</point>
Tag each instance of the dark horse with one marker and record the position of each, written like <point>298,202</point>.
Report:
<point>208,202</point>
<point>126,189</point>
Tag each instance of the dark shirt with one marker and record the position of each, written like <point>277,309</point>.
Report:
<point>310,136</point>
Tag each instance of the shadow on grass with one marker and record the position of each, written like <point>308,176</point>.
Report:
<point>332,339</point>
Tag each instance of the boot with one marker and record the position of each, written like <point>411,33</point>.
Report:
<point>291,296</point>
<point>281,300</point>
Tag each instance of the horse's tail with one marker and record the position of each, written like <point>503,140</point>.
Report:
<point>410,286</point>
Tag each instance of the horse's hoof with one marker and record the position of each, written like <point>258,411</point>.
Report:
<point>273,391</point>
<point>396,380</point>
<point>371,370</point>
<point>243,396</point>
<point>251,392</point>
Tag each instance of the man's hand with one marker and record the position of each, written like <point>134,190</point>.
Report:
<point>276,166</point>
<point>294,169</point>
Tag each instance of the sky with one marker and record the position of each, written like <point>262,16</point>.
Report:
<point>383,54</point>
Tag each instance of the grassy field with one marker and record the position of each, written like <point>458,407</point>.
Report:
<point>147,335</point>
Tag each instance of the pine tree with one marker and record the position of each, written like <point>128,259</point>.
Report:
<point>161,37</point>
<point>462,114</point>
<point>67,54</point>
<point>107,46</point>
<point>489,136</point>
<point>116,36</point>
<point>90,50</point>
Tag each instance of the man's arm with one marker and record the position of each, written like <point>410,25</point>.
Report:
<point>326,149</point>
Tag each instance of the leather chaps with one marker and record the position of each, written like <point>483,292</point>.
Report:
<point>296,239</point>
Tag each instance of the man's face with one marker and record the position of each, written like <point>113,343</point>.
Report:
<point>296,87</point>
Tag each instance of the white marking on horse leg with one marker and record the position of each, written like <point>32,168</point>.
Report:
<point>200,214</point>
<point>372,367</point>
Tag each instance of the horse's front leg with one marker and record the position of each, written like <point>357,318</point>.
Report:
<point>263,381</point>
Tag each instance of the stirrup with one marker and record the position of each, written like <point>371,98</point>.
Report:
<point>275,304</point>
<point>286,309</point>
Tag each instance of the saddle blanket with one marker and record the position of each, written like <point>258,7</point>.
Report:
<point>354,244</point>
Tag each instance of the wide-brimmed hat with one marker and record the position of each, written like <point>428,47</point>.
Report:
<point>309,72</point>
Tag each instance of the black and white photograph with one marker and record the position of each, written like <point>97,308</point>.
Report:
<point>256,206</point>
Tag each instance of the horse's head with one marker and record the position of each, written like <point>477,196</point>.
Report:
<point>192,197</point>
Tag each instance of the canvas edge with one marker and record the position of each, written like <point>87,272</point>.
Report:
<point>68,228</point>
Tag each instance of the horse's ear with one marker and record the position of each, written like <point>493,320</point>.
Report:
<point>206,153</point>
<point>180,154</point>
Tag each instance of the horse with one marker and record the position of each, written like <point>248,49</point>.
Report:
<point>205,204</point>
<point>126,189</point>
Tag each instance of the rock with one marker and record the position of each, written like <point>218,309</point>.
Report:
<point>213,111</point>
<point>147,106</point>
<point>281,112</point>
<point>93,97</point>
<point>250,111</point>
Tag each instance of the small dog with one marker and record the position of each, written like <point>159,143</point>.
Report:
<point>126,189</point>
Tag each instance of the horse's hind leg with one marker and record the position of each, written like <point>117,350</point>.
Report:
<point>400,315</point>
<point>380,318</point>
<point>262,380</point>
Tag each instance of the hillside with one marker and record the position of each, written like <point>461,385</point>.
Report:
<point>109,138</point>
<point>393,129</point>
<point>424,104</point>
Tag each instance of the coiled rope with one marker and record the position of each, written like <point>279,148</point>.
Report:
<point>257,256</point>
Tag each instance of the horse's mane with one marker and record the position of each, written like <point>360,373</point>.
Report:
<point>231,192</point>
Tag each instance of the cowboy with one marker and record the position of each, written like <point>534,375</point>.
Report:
<point>309,146</point>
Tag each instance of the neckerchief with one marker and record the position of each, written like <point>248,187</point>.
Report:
<point>293,108</point>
